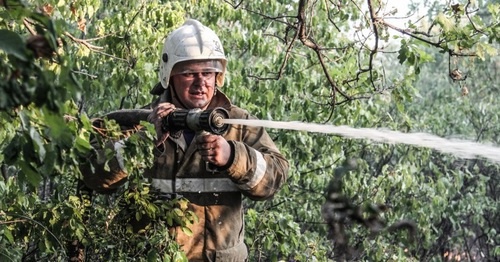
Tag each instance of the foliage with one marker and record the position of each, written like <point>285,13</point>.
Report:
<point>333,62</point>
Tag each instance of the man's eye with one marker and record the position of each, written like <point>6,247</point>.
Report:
<point>188,75</point>
<point>207,73</point>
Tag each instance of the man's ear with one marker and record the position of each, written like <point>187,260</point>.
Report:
<point>219,79</point>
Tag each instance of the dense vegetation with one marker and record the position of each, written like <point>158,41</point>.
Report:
<point>63,63</point>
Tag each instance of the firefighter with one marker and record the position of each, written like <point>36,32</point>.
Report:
<point>213,172</point>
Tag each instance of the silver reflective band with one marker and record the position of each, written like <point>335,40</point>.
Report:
<point>260,171</point>
<point>194,185</point>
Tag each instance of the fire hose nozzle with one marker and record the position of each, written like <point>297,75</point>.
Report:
<point>210,120</point>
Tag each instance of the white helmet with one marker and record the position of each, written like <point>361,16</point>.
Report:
<point>192,41</point>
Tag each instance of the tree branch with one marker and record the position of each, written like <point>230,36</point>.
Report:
<point>302,35</point>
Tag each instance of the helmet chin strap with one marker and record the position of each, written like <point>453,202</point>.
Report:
<point>216,87</point>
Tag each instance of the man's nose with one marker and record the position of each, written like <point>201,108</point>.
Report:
<point>199,78</point>
<point>198,75</point>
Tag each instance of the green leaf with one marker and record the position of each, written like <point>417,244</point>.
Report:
<point>13,44</point>
<point>269,97</point>
<point>29,173</point>
<point>153,255</point>
<point>8,234</point>
<point>59,129</point>
<point>180,257</point>
<point>82,143</point>
<point>12,150</point>
<point>38,143</point>
<point>187,231</point>
<point>403,52</point>
<point>445,22</point>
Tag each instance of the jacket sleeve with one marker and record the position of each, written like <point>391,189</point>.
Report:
<point>258,168</point>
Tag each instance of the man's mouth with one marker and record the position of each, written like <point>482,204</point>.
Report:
<point>197,93</point>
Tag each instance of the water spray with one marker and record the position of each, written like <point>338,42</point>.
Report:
<point>461,148</point>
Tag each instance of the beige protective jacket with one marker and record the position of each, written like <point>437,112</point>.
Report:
<point>258,171</point>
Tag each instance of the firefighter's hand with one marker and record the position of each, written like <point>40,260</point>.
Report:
<point>161,111</point>
<point>214,149</point>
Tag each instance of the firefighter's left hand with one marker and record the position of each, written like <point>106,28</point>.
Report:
<point>214,149</point>
<point>161,111</point>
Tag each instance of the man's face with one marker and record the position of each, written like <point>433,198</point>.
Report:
<point>194,83</point>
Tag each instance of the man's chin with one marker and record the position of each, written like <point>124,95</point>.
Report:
<point>199,104</point>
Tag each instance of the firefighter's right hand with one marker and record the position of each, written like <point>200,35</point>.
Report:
<point>160,112</point>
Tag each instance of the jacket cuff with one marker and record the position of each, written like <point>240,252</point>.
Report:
<point>231,168</point>
<point>248,168</point>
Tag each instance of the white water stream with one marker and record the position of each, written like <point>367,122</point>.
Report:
<point>460,148</point>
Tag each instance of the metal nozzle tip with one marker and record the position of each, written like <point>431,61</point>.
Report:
<point>217,121</point>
